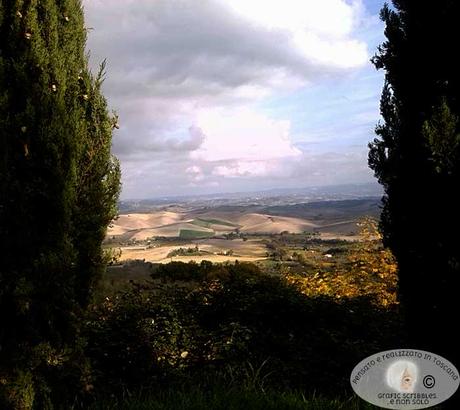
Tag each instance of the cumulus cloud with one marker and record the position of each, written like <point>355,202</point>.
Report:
<point>242,134</point>
<point>244,169</point>
<point>175,177</point>
<point>186,78</point>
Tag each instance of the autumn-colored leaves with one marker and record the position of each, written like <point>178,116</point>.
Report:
<point>369,270</point>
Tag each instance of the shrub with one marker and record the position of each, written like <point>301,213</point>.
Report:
<point>235,325</point>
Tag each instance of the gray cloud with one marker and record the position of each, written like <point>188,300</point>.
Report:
<point>176,47</point>
<point>157,146</point>
<point>172,176</point>
<point>169,58</point>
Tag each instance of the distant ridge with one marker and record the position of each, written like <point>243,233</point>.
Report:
<point>334,209</point>
<point>281,196</point>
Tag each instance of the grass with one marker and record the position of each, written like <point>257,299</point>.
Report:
<point>230,400</point>
<point>192,234</point>
<point>200,222</point>
<point>208,222</point>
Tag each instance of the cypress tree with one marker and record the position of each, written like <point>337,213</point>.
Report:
<point>98,185</point>
<point>416,157</point>
<point>58,189</point>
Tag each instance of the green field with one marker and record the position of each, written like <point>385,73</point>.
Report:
<point>209,222</point>
<point>192,234</point>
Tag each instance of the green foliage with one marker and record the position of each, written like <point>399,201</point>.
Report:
<point>176,271</point>
<point>135,339</point>
<point>235,325</point>
<point>416,157</point>
<point>55,201</point>
<point>98,185</point>
<point>184,252</point>
<point>112,256</point>
<point>276,251</point>
<point>443,139</point>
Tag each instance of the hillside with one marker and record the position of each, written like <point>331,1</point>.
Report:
<point>326,217</point>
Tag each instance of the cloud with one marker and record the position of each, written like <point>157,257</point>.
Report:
<point>195,172</point>
<point>242,134</point>
<point>156,143</point>
<point>177,48</point>
<point>244,169</point>
<point>186,79</point>
<point>174,177</point>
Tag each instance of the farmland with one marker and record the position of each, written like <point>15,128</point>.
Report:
<point>229,233</point>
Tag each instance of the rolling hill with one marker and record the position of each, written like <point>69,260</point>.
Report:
<point>326,217</point>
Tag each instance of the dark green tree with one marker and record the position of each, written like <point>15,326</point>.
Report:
<point>98,185</point>
<point>58,190</point>
<point>416,157</point>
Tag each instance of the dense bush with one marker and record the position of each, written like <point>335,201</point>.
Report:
<point>237,325</point>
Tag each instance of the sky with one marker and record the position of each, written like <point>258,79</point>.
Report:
<point>238,95</point>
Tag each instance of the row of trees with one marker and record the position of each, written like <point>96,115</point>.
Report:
<point>58,189</point>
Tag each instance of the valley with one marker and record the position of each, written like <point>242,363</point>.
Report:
<point>221,233</point>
